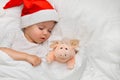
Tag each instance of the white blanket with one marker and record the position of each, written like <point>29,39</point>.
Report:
<point>95,22</point>
<point>21,70</point>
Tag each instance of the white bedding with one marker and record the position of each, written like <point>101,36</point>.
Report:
<point>95,22</point>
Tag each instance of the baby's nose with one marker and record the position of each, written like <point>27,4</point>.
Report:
<point>45,32</point>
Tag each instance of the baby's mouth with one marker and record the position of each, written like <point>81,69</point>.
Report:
<point>43,38</point>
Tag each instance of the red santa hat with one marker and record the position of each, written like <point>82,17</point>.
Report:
<point>34,11</point>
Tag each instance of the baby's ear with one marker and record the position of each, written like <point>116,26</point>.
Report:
<point>54,44</point>
<point>74,43</point>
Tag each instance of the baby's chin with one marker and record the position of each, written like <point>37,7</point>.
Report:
<point>39,42</point>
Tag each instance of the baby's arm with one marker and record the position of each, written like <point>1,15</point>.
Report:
<point>16,55</point>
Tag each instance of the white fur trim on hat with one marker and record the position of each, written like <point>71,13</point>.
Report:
<point>40,16</point>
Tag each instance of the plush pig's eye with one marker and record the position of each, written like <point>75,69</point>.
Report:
<point>61,47</point>
<point>66,48</point>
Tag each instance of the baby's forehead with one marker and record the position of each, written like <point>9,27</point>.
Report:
<point>47,25</point>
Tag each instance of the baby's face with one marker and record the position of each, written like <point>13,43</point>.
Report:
<point>40,32</point>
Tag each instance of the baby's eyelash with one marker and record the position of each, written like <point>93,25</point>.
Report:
<point>49,31</point>
<point>41,28</point>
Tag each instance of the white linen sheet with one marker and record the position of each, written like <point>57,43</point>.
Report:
<point>96,23</point>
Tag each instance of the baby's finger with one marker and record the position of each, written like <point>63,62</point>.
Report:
<point>36,63</point>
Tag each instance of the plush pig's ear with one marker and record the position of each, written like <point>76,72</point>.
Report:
<point>74,43</point>
<point>54,44</point>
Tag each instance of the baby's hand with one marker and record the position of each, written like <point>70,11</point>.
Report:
<point>33,59</point>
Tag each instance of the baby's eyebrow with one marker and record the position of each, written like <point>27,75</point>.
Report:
<point>40,25</point>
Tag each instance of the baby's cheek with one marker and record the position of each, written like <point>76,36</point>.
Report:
<point>47,36</point>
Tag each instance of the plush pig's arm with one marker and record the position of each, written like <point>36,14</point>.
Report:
<point>71,63</point>
<point>50,57</point>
